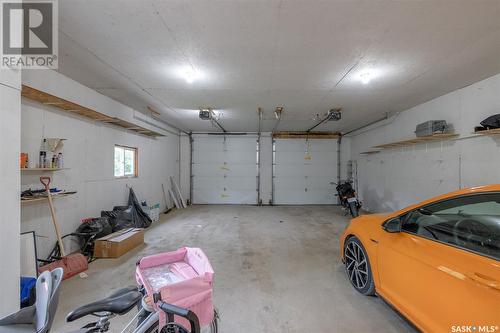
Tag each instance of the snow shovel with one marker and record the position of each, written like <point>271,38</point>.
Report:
<point>72,264</point>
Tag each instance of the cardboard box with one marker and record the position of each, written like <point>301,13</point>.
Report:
<point>118,243</point>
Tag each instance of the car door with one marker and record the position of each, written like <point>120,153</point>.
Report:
<point>442,270</point>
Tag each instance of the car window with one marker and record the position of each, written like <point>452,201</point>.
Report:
<point>470,222</point>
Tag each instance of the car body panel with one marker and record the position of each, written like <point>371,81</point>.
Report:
<point>435,285</point>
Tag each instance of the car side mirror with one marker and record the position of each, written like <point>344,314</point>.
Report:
<point>393,225</point>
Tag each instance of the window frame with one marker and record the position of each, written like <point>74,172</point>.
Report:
<point>406,212</point>
<point>136,161</point>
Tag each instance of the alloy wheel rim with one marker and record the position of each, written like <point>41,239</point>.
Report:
<point>356,265</point>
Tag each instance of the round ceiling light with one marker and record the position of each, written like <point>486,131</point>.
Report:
<point>365,77</point>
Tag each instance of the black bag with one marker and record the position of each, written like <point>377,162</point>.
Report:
<point>140,218</point>
<point>491,122</point>
<point>89,231</point>
<point>131,216</point>
<point>99,226</point>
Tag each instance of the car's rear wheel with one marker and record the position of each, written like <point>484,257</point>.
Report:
<point>357,266</point>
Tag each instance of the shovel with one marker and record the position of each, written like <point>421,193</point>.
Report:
<point>71,264</point>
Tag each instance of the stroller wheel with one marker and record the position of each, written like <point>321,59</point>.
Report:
<point>174,328</point>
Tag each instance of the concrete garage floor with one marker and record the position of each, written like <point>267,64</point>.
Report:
<point>277,270</point>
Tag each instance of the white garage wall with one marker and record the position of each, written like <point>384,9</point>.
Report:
<point>10,101</point>
<point>89,155</point>
<point>398,177</point>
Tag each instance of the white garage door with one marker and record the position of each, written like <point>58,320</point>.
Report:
<point>303,170</point>
<point>224,169</point>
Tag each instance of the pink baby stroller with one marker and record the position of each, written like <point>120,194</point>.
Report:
<point>183,278</point>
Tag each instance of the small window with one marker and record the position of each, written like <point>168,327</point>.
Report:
<point>470,222</point>
<point>125,161</point>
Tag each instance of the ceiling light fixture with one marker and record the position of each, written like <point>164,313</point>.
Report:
<point>188,73</point>
<point>365,77</point>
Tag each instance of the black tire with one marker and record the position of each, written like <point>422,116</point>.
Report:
<point>357,266</point>
<point>353,208</point>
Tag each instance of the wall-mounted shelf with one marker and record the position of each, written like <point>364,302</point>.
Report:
<point>306,135</point>
<point>43,199</point>
<point>41,169</point>
<point>495,131</point>
<point>73,108</point>
<point>370,152</point>
<point>418,140</point>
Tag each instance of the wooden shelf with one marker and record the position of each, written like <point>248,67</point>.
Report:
<point>42,199</point>
<point>418,140</point>
<point>41,169</point>
<point>369,152</point>
<point>73,108</point>
<point>305,135</point>
<point>495,131</point>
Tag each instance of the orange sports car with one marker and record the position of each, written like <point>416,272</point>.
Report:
<point>436,262</point>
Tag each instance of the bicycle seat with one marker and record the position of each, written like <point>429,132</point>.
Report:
<point>120,302</point>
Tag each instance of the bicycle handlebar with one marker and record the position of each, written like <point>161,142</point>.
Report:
<point>172,310</point>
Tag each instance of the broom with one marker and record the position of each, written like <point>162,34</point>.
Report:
<point>72,264</point>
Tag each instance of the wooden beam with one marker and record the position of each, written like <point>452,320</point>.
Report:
<point>306,135</point>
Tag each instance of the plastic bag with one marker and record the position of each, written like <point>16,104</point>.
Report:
<point>131,216</point>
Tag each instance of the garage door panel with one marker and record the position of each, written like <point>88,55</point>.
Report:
<point>246,143</point>
<point>224,170</point>
<point>303,172</point>
<point>319,197</point>
<point>306,198</point>
<point>291,157</point>
<point>290,183</point>
<point>208,144</point>
<point>222,183</point>
<point>209,182</point>
<point>208,196</point>
<point>300,157</point>
<point>241,157</point>
<point>323,146</point>
<point>207,156</point>
<point>242,170</point>
<point>241,183</point>
<point>318,159</point>
<point>320,183</point>
<point>290,170</point>
<point>221,157</point>
<point>292,198</point>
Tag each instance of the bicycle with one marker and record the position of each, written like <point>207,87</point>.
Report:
<point>153,312</point>
<point>123,301</point>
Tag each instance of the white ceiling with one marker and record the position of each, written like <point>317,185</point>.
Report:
<point>305,55</point>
